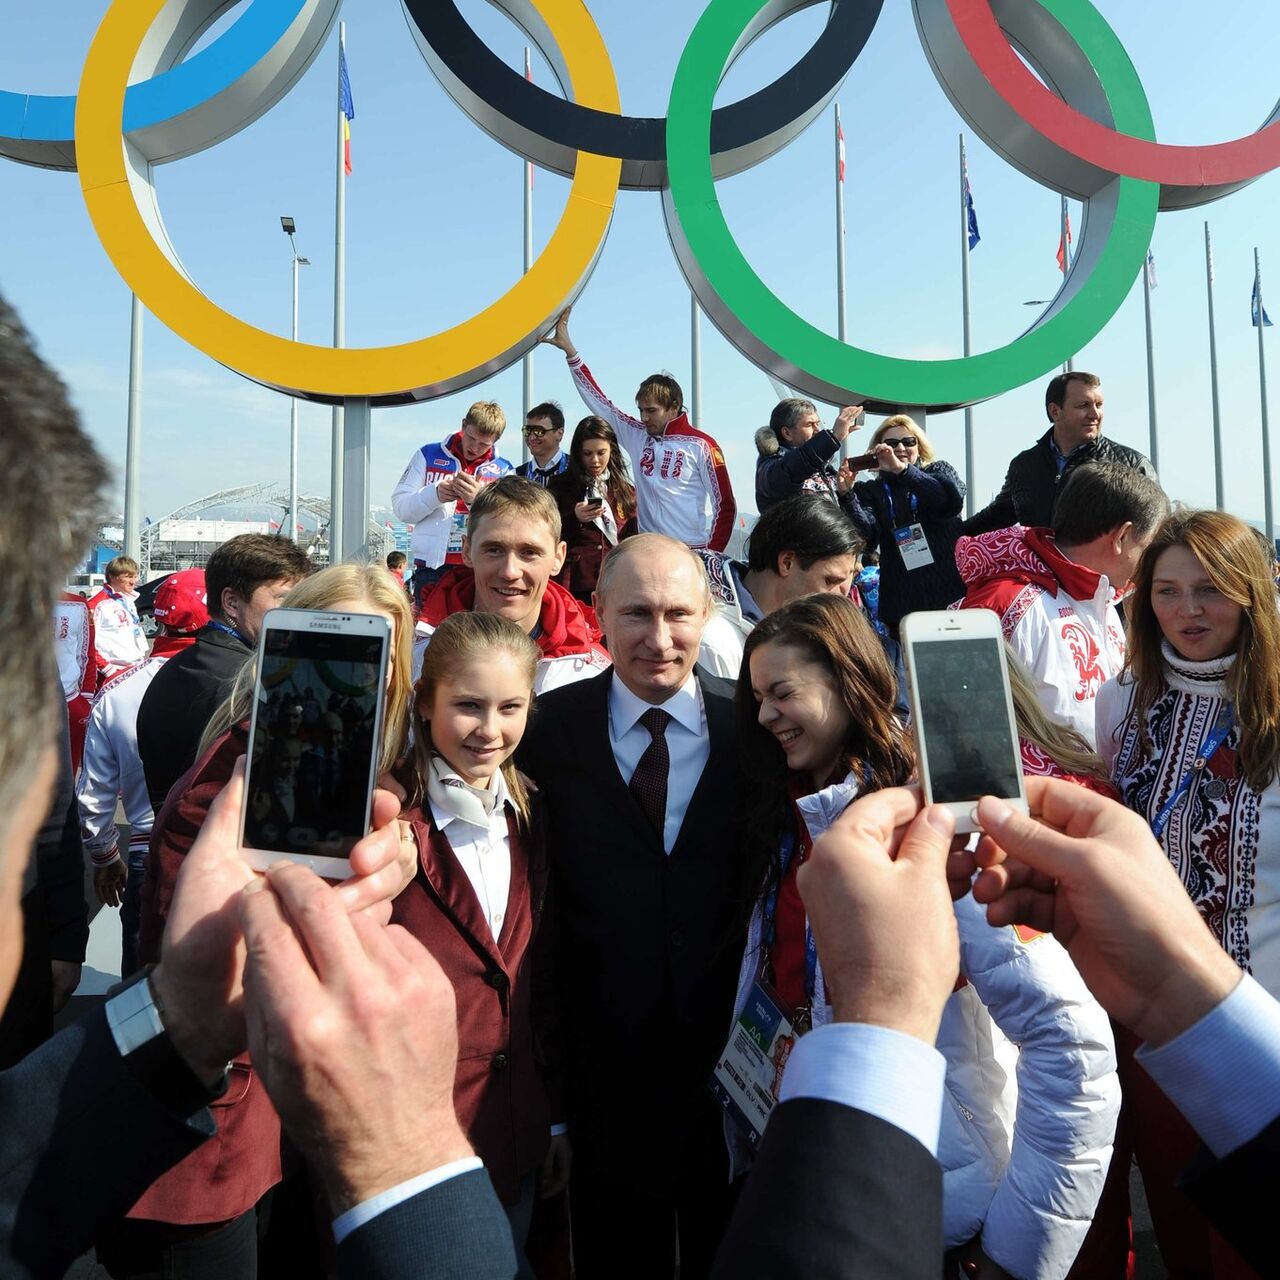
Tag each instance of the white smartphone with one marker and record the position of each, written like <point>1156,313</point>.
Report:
<point>962,710</point>
<point>318,707</point>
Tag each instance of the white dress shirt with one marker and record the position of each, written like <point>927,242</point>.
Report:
<point>1223,1073</point>
<point>485,855</point>
<point>688,745</point>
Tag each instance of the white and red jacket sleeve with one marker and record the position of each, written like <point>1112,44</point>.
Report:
<point>415,497</point>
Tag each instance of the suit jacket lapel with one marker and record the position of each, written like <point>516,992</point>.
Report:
<point>451,887</point>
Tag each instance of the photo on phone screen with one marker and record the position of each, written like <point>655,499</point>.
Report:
<point>964,730</point>
<point>317,722</point>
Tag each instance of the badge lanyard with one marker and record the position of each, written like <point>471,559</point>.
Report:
<point>1216,736</point>
<point>786,855</point>
<point>231,631</point>
<point>915,502</point>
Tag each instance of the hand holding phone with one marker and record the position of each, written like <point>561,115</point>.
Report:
<point>962,711</point>
<point>863,462</point>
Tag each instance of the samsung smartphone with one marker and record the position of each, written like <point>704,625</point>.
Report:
<point>962,710</point>
<point>313,741</point>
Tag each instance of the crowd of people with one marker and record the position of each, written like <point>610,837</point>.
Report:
<point>636,798</point>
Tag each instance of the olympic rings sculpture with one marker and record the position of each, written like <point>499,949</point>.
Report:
<point>1088,134</point>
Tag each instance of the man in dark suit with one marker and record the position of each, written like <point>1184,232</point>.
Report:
<point>245,576</point>
<point>638,769</point>
<point>92,1117</point>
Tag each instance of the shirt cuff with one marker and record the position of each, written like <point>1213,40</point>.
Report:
<point>367,1210</point>
<point>1223,1073</point>
<point>885,1073</point>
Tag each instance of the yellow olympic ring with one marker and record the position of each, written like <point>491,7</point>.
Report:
<point>426,368</point>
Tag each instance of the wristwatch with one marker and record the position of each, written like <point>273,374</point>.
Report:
<point>136,1018</point>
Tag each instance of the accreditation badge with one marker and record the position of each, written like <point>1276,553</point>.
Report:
<point>748,1075</point>
<point>913,546</point>
<point>457,527</point>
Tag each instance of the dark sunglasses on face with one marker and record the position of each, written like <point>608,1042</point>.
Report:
<point>538,432</point>
<point>907,442</point>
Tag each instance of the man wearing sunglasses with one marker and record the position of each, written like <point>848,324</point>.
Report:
<point>543,432</point>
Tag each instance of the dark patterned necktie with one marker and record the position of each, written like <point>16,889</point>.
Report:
<point>649,782</point>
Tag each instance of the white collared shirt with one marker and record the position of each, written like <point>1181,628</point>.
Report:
<point>688,745</point>
<point>485,855</point>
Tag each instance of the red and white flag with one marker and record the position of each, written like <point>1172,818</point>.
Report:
<point>1064,245</point>
<point>840,152</point>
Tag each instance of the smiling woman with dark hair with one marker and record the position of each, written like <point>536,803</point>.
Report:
<point>597,504</point>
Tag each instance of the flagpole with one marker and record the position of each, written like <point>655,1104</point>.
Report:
<point>1153,445</point>
<point>1219,487</point>
<point>970,443</point>
<point>339,316</point>
<point>695,358</point>
<point>1066,262</point>
<point>842,315</point>
<point>528,263</point>
<point>133,436</point>
<point>1262,386</point>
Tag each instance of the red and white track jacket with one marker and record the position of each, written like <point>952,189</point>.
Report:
<point>677,475</point>
<point>1057,616</point>
<point>117,633</point>
<point>77,664</point>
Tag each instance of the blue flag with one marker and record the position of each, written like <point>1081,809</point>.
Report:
<point>1266,319</point>
<point>974,236</point>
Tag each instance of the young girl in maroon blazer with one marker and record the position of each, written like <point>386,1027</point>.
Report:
<point>478,901</point>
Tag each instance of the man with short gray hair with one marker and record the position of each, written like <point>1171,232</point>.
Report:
<point>796,452</point>
<point>637,768</point>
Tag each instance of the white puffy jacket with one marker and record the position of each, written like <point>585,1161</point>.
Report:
<point>1031,1097</point>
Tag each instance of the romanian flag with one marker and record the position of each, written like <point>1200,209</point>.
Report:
<point>347,106</point>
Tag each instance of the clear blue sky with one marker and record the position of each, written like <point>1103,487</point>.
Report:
<point>434,234</point>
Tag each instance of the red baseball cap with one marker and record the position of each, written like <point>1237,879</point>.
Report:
<point>180,601</point>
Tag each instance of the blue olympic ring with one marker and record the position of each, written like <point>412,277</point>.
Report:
<point>39,129</point>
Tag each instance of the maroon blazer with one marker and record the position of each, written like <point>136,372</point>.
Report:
<point>230,1173</point>
<point>508,1064</point>
<point>586,546</point>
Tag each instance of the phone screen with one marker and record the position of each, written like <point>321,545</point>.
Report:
<point>314,742</point>
<point>968,742</point>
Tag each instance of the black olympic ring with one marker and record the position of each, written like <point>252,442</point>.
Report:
<point>550,130</point>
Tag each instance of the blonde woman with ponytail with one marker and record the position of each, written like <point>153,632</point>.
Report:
<point>477,900</point>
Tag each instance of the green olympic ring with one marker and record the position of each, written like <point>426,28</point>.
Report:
<point>768,332</point>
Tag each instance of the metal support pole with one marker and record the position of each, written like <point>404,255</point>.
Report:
<point>1218,484</point>
<point>339,326</point>
<point>695,359</point>
<point>970,443</point>
<point>527,364</point>
<point>355,491</point>
<point>1269,510</point>
<point>133,437</point>
<point>1153,435</point>
<point>293,424</point>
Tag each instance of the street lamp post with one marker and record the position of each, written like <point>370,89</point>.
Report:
<point>289,227</point>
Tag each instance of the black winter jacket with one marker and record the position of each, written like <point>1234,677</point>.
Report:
<point>1032,481</point>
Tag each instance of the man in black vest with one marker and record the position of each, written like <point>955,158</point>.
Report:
<point>245,577</point>
<point>637,767</point>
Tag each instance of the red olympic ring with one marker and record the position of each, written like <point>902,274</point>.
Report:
<point>1189,175</point>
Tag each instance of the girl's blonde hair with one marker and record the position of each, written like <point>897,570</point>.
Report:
<point>1064,746</point>
<point>462,638</point>
<point>907,424</point>
<point>1235,561</point>
<point>373,585</point>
